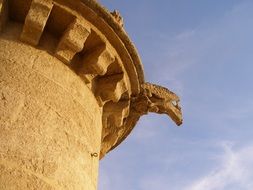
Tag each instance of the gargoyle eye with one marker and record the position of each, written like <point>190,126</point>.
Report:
<point>174,102</point>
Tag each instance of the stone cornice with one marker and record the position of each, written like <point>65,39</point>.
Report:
<point>92,42</point>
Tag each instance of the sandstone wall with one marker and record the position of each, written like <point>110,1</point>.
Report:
<point>50,121</point>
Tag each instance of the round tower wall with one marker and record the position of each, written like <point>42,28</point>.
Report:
<point>50,120</point>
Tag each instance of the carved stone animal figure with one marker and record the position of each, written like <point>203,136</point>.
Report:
<point>118,17</point>
<point>154,98</point>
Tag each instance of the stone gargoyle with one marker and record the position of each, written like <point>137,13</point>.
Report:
<point>154,98</point>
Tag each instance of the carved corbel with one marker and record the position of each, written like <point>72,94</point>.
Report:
<point>36,20</point>
<point>72,41</point>
<point>114,115</point>
<point>110,88</point>
<point>96,63</point>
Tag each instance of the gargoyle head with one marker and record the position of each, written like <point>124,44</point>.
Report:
<point>154,98</point>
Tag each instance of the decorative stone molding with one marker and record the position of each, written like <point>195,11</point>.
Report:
<point>92,42</point>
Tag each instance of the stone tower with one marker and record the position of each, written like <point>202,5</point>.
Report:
<point>71,89</point>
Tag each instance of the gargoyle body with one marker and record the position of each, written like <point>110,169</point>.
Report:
<point>154,98</point>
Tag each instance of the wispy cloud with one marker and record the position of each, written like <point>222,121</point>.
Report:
<point>104,181</point>
<point>234,171</point>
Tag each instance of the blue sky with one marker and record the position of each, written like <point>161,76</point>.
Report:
<point>203,51</point>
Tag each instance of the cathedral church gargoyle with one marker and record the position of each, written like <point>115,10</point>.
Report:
<point>154,98</point>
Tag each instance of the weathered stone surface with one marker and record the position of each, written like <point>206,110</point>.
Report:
<point>97,61</point>
<point>110,88</point>
<point>72,41</point>
<point>47,129</point>
<point>71,90</point>
<point>114,113</point>
<point>36,20</point>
